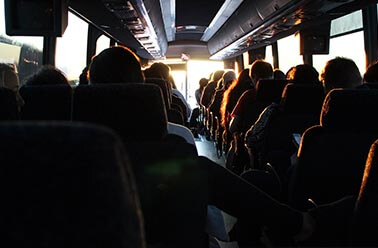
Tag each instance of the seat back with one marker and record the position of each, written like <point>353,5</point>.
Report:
<point>267,92</point>
<point>8,105</point>
<point>46,102</point>
<point>66,185</point>
<point>270,90</point>
<point>300,109</point>
<point>365,227</point>
<point>331,157</point>
<point>134,111</point>
<point>163,85</point>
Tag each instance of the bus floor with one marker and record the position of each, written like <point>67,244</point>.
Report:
<point>207,149</point>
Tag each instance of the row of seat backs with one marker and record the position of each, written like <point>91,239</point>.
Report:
<point>135,111</point>
<point>67,185</point>
<point>332,155</point>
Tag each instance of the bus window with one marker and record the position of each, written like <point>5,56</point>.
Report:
<point>71,49</point>
<point>269,55</point>
<point>102,43</point>
<point>245,60</point>
<point>347,40</point>
<point>24,52</point>
<point>288,52</point>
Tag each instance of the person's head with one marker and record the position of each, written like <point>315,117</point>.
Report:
<point>83,78</point>
<point>8,77</point>
<point>216,76</point>
<point>371,74</point>
<point>47,75</point>
<point>228,78</point>
<point>261,70</point>
<point>159,70</point>
<point>202,83</point>
<point>303,74</point>
<point>115,65</point>
<point>340,73</point>
<point>278,74</point>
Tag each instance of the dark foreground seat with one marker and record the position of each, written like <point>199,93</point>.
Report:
<point>66,185</point>
<point>331,157</point>
<point>365,223</point>
<point>171,184</point>
<point>46,102</point>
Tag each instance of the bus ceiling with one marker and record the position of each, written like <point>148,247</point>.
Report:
<point>216,29</point>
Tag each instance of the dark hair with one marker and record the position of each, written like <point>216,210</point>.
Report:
<point>303,74</point>
<point>278,74</point>
<point>340,73</point>
<point>371,74</point>
<point>115,65</point>
<point>159,70</point>
<point>47,75</point>
<point>261,70</point>
<point>202,83</point>
<point>216,76</point>
<point>232,94</point>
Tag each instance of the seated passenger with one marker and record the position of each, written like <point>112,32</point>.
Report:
<point>371,74</point>
<point>223,84</point>
<point>120,65</point>
<point>202,84</point>
<point>259,70</point>
<point>162,71</point>
<point>47,75</point>
<point>278,74</point>
<point>340,73</point>
<point>209,90</point>
<point>9,80</point>
<point>231,97</point>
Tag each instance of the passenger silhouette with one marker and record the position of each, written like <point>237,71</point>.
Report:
<point>9,80</point>
<point>371,74</point>
<point>47,75</point>
<point>340,73</point>
<point>259,70</point>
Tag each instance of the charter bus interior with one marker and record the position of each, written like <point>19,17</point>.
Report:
<point>189,123</point>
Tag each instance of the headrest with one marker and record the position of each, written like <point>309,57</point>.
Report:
<point>66,185</point>
<point>270,90</point>
<point>8,105</point>
<point>163,85</point>
<point>350,110</point>
<point>135,111</point>
<point>302,99</point>
<point>46,102</point>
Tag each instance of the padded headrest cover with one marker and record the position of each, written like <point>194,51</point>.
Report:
<point>270,90</point>
<point>66,185</point>
<point>135,111</point>
<point>350,110</point>
<point>303,99</point>
<point>8,105</point>
<point>46,102</point>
